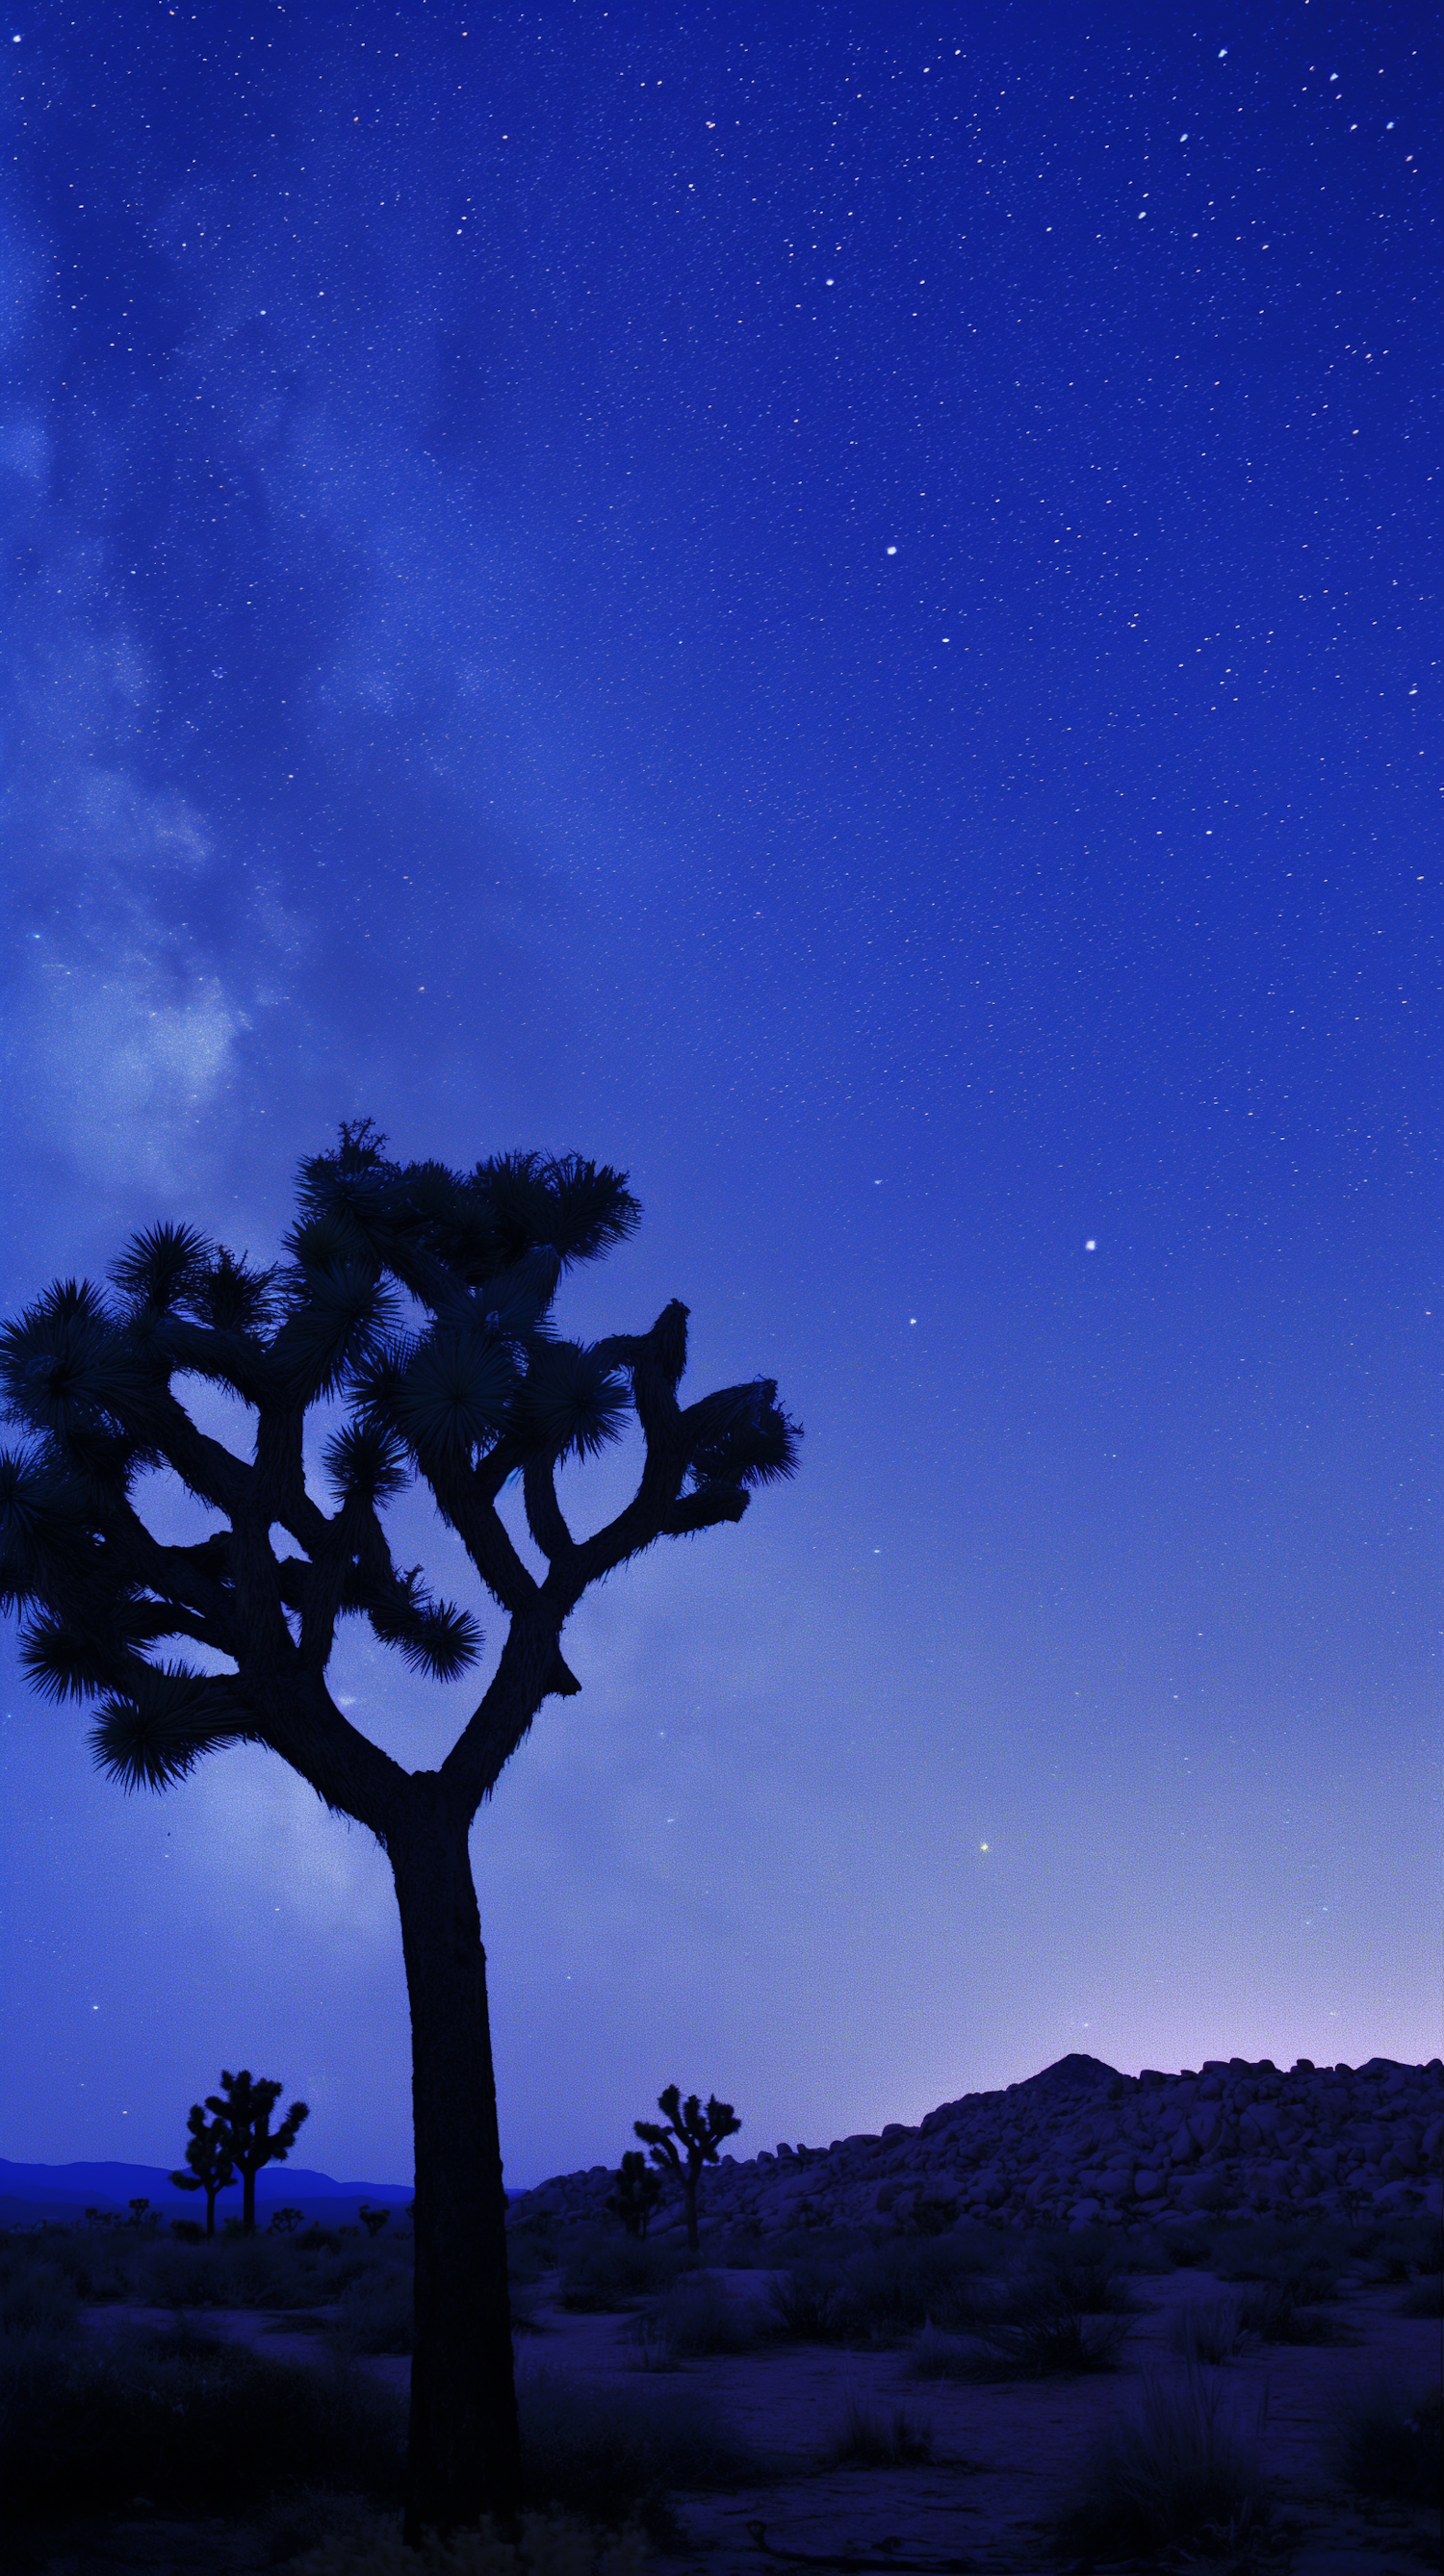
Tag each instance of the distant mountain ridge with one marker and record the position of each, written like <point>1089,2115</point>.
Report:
<point>66,2191</point>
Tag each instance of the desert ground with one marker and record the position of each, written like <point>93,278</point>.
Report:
<point>984,2463</point>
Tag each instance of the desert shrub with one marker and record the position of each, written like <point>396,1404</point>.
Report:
<point>183,2276</point>
<point>1294,2256</point>
<point>609,2272</point>
<point>1276,2313</point>
<point>809,2303</point>
<point>36,2296</point>
<point>193,2425</point>
<point>531,2249</point>
<point>1424,2237</point>
<point>1035,2335</point>
<point>652,2345</point>
<point>1143,2247</point>
<point>262,2272</point>
<point>742,2251</point>
<point>1180,2472</point>
<point>222,2272</point>
<point>942,2356</point>
<point>900,2286</point>
<point>253,2272</point>
<point>1424,2297</point>
<point>864,2440</point>
<point>320,2278</point>
<point>1385,2442</point>
<point>1392,2264</point>
<point>101,2262</point>
<point>612,2455</point>
<point>1209,2330</point>
<point>549,2545</point>
<point>1398,2249</point>
<point>375,2312</point>
<point>1048,2342</point>
<point>696,2316</point>
<point>1182,2245</point>
<point>1083,2272</point>
<point>824,2244</point>
<point>932,2214</point>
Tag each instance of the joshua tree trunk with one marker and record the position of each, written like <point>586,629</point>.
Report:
<point>689,2195</point>
<point>211,2190</point>
<point>464,2455</point>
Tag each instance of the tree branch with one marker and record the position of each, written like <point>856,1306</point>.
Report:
<point>544,1517</point>
<point>265,1645</point>
<point>531,1669</point>
<point>656,1361</point>
<point>465,1498</point>
<point>280,1474</point>
<point>187,1580</point>
<point>706,1510</point>
<point>202,1464</point>
<point>227,1359</point>
<point>300,1721</point>
<point>146,1622</point>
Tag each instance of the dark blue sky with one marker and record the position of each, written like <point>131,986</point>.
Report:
<point>831,605</point>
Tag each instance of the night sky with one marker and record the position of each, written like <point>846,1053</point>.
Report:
<point>829,605</point>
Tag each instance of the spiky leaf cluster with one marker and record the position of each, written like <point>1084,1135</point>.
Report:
<point>742,1437</point>
<point>436,1638</point>
<point>155,1730</point>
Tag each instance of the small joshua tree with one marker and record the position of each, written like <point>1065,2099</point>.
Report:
<point>212,2166</point>
<point>691,2128</point>
<point>373,2216</point>
<point>243,2110</point>
<point>418,1300</point>
<point>637,2194</point>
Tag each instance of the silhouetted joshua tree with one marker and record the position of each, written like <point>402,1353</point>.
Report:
<point>212,2166</point>
<point>243,2109</point>
<point>421,1299</point>
<point>699,2132</point>
<point>637,2194</point>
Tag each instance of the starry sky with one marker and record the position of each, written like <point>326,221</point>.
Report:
<point>828,604</point>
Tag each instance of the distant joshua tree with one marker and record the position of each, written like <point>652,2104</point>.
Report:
<point>637,2193</point>
<point>243,2110</point>
<point>418,1301</point>
<point>212,2166</point>
<point>691,2128</point>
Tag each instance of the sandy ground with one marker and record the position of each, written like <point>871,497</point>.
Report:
<point>1003,2453</point>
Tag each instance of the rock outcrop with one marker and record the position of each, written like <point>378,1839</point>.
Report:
<point>1080,2143</point>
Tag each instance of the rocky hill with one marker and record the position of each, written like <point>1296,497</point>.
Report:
<point>1081,2143</point>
